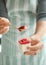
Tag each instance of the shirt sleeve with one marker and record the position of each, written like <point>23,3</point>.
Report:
<point>41,10</point>
<point>3,9</point>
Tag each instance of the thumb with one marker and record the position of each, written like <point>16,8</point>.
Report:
<point>34,40</point>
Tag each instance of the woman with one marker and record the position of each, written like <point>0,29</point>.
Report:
<point>22,15</point>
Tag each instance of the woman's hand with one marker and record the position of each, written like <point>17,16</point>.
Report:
<point>36,46</point>
<point>4,25</point>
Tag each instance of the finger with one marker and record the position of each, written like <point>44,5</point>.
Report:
<point>30,53</point>
<point>4,22</point>
<point>34,39</point>
<point>4,19</point>
<point>4,30</point>
<point>36,47</point>
<point>38,51</point>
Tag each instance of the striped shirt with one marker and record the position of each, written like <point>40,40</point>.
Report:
<point>21,12</point>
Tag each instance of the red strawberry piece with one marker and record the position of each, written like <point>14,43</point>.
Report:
<point>24,41</point>
<point>21,28</point>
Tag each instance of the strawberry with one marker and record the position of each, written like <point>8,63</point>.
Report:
<point>24,41</point>
<point>22,28</point>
